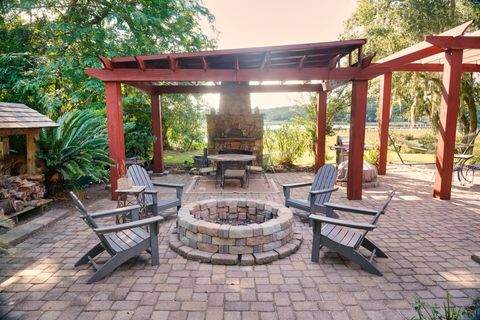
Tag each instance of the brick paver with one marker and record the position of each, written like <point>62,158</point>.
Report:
<point>429,243</point>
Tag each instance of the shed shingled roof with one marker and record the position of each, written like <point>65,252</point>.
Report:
<point>19,116</point>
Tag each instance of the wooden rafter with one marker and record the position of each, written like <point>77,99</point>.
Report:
<point>301,62</point>
<point>172,63</point>
<point>107,64</point>
<point>204,64</point>
<point>141,63</point>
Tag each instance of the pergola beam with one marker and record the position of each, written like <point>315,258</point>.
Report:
<point>251,88</point>
<point>449,42</point>
<point>242,75</point>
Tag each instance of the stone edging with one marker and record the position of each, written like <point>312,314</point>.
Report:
<point>269,238</point>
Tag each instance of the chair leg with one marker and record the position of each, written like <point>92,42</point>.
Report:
<point>363,262</point>
<point>317,237</point>
<point>92,253</point>
<point>369,245</point>
<point>114,262</point>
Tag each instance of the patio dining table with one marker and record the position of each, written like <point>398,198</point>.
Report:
<point>223,160</point>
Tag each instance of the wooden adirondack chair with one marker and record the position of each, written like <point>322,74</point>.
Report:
<point>322,187</point>
<point>121,241</point>
<point>140,177</point>
<point>346,237</point>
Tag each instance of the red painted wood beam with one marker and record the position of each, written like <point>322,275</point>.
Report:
<point>301,62</point>
<point>172,63</point>
<point>204,64</point>
<point>321,129</point>
<point>277,74</point>
<point>157,133</point>
<point>451,84</point>
<point>357,139</point>
<point>383,121</point>
<point>145,86</point>
<point>449,42</point>
<point>107,64</point>
<point>116,142</point>
<point>251,88</point>
<point>141,63</point>
<point>334,61</point>
<point>432,67</point>
<point>266,61</point>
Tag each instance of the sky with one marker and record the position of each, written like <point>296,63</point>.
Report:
<point>258,23</point>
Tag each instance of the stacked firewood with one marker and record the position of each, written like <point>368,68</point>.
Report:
<point>18,192</point>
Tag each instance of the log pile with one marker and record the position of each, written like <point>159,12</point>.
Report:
<point>18,192</point>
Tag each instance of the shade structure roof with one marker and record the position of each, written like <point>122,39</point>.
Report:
<point>429,55</point>
<point>19,116</point>
<point>335,60</point>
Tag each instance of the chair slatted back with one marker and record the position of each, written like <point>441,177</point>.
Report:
<point>83,211</point>
<point>89,220</point>
<point>140,177</point>
<point>324,179</point>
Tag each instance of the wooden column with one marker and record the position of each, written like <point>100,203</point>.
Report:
<point>157,132</point>
<point>321,129</point>
<point>451,83</point>
<point>31,153</point>
<point>116,140</point>
<point>384,121</point>
<point>357,139</point>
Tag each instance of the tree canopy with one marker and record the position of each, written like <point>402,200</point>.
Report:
<point>45,45</point>
<point>390,26</point>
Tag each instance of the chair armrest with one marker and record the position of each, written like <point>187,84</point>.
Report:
<point>296,185</point>
<point>129,225</point>
<point>151,191</point>
<point>344,223</point>
<point>168,185</point>
<point>322,191</point>
<point>344,208</point>
<point>114,212</point>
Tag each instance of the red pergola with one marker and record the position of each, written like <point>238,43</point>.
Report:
<point>319,67</point>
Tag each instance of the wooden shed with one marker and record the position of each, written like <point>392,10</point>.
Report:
<point>18,119</point>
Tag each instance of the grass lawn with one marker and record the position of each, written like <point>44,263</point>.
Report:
<point>170,156</point>
<point>371,137</point>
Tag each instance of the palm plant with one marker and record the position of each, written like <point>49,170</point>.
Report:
<point>76,150</point>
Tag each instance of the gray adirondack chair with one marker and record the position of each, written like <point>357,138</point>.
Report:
<point>122,241</point>
<point>322,187</point>
<point>346,237</point>
<point>154,205</point>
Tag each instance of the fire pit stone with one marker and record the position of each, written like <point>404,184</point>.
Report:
<point>232,231</point>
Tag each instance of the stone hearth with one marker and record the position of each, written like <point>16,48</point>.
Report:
<point>235,127</point>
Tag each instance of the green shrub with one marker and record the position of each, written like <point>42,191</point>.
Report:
<point>76,151</point>
<point>286,144</point>
<point>371,156</point>
<point>448,312</point>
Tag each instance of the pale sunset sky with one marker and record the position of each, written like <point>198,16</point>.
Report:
<point>258,23</point>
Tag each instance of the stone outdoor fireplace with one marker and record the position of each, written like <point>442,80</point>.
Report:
<point>235,127</point>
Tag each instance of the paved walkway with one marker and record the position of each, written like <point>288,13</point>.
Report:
<point>429,243</point>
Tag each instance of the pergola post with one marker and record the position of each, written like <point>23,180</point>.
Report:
<point>384,121</point>
<point>357,139</point>
<point>451,83</point>
<point>157,133</point>
<point>116,140</point>
<point>321,129</point>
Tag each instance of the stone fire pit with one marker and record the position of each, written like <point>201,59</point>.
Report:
<point>235,231</point>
